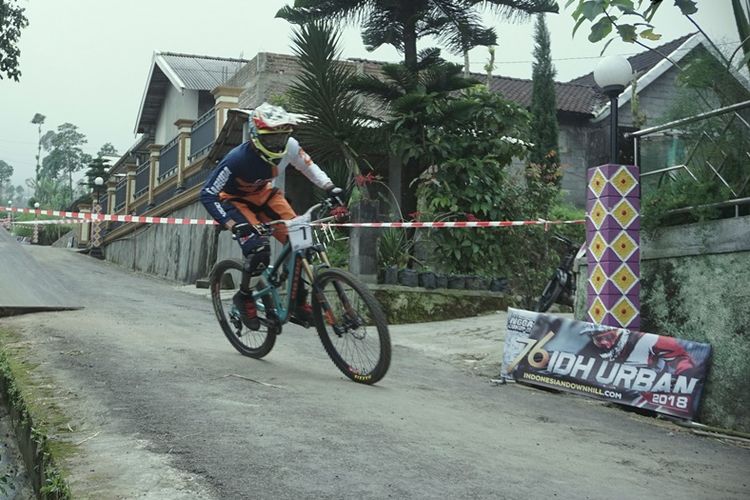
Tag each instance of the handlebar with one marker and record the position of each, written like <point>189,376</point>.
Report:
<point>266,228</point>
<point>565,240</point>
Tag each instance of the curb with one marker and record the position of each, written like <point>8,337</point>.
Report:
<point>44,475</point>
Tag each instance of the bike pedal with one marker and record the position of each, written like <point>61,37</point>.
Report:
<point>299,322</point>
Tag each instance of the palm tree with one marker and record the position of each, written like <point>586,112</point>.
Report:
<point>456,23</point>
<point>405,95</point>
<point>334,131</point>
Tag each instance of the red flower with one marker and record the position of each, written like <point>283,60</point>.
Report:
<point>470,217</point>
<point>363,180</point>
<point>340,212</point>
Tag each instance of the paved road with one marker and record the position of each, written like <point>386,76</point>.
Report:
<point>25,284</point>
<point>158,405</point>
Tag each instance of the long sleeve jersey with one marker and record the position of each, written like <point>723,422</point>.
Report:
<point>242,172</point>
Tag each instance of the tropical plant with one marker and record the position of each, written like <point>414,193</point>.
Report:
<point>468,176</point>
<point>334,130</point>
<point>107,149</point>
<point>12,21</point>
<point>630,21</point>
<point>65,154</point>
<point>6,172</point>
<point>51,192</point>
<point>38,120</point>
<point>455,23</point>
<point>394,248</point>
<point>415,100</point>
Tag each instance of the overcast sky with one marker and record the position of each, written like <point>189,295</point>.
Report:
<point>86,61</point>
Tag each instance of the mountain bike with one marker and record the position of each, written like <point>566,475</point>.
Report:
<point>562,285</point>
<point>349,320</point>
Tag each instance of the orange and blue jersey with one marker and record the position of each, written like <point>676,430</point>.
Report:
<point>244,172</point>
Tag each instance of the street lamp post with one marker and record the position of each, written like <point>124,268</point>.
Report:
<point>612,75</point>
<point>613,220</point>
<point>10,216</point>
<point>96,238</point>
<point>35,236</point>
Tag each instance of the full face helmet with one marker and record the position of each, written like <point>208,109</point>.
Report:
<point>609,341</point>
<point>269,129</point>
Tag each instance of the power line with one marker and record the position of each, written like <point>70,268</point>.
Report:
<point>473,63</point>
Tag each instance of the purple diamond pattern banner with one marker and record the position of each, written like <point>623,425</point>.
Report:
<point>613,244</point>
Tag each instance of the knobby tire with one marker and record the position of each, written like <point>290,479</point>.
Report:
<point>550,294</point>
<point>265,336</point>
<point>352,342</point>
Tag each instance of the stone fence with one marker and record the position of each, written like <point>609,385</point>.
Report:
<point>695,286</point>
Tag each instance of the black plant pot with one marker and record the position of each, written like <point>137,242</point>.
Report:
<point>391,275</point>
<point>428,280</point>
<point>408,277</point>
<point>456,282</point>
<point>499,285</point>
<point>441,280</point>
<point>477,283</point>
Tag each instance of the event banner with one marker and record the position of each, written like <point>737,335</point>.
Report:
<point>638,369</point>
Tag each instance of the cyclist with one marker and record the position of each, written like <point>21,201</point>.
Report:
<point>239,196</point>
<point>637,349</point>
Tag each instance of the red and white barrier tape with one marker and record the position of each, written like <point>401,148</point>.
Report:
<point>457,224</point>
<point>86,216</point>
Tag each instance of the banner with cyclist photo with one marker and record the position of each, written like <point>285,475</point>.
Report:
<point>634,368</point>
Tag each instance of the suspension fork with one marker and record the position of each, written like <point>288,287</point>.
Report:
<point>320,296</point>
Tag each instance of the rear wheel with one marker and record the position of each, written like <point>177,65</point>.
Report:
<point>351,326</point>
<point>225,280</point>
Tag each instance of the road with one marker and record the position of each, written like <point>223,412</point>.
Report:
<point>158,405</point>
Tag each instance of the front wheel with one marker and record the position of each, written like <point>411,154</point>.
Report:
<point>225,280</point>
<point>351,326</point>
<point>550,294</point>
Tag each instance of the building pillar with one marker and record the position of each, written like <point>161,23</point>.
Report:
<point>613,246</point>
<point>131,169</point>
<point>184,128</point>
<point>153,171</point>
<point>85,226</point>
<point>111,195</point>
<point>226,98</point>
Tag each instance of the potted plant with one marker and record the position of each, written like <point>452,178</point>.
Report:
<point>393,253</point>
<point>428,279</point>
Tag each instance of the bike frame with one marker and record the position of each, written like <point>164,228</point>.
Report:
<point>294,268</point>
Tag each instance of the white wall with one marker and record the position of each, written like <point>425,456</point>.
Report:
<point>175,106</point>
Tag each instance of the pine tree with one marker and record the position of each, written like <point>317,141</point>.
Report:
<point>544,106</point>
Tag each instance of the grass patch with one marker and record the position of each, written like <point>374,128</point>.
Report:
<point>35,417</point>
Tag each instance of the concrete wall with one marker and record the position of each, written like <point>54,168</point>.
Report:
<point>175,252</point>
<point>581,146</point>
<point>694,286</point>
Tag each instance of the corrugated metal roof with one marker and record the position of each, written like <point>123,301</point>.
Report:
<point>201,72</point>
<point>184,72</point>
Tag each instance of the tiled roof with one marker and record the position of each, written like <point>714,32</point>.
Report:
<point>571,97</point>
<point>581,95</point>
<point>202,72</point>
<point>642,62</point>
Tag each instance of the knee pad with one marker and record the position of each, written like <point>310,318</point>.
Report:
<point>257,260</point>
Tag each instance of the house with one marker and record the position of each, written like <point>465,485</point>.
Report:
<point>188,120</point>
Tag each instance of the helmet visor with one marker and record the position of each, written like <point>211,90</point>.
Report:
<point>275,141</point>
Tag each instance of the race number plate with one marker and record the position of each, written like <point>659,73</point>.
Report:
<point>300,233</point>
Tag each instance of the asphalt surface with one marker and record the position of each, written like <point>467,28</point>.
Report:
<point>25,284</point>
<point>158,405</point>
